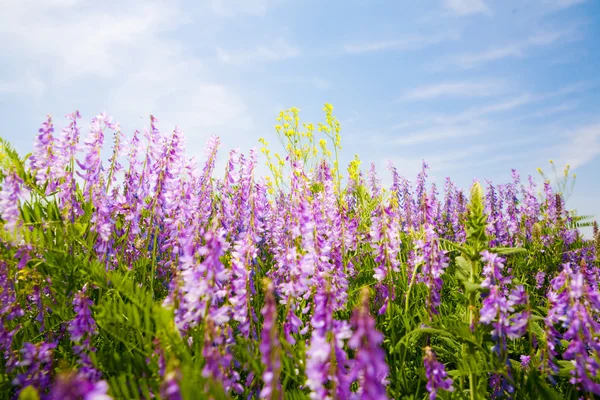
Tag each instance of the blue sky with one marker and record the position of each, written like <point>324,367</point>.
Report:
<point>475,87</point>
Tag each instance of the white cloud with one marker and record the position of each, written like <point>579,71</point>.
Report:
<point>123,55</point>
<point>438,134</point>
<point>561,4</point>
<point>546,112</point>
<point>315,81</point>
<point>473,59</point>
<point>517,49</point>
<point>414,42</point>
<point>175,91</point>
<point>577,87</point>
<point>279,50</point>
<point>232,7</point>
<point>73,39</point>
<point>466,7</point>
<point>455,89</point>
<point>474,114</point>
<point>582,147</point>
<point>29,84</point>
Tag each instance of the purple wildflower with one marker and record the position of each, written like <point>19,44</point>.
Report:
<point>270,348</point>
<point>10,194</point>
<point>432,259</point>
<point>43,155</point>
<point>498,310</point>
<point>34,366</point>
<point>437,377</point>
<point>74,387</point>
<point>369,364</point>
<point>499,306</point>
<point>575,305</point>
<point>63,168</point>
<point>81,329</point>
<point>540,277</point>
<point>169,390</point>
<point>525,361</point>
<point>10,310</point>
<point>322,365</point>
<point>243,255</point>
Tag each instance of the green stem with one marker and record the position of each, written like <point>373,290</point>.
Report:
<point>153,261</point>
<point>410,285</point>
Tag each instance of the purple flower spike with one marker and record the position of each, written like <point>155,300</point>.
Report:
<point>437,377</point>
<point>269,348</point>
<point>11,192</point>
<point>170,387</point>
<point>369,365</point>
<point>73,387</point>
<point>81,329</point>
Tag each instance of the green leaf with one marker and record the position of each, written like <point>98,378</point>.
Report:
<point>508,250</point>
<point>471,287</point>
<point>29,393</point>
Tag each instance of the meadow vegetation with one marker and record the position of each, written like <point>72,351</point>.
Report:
<point>132,272</point>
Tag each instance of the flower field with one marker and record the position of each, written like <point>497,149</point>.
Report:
<point>129,270</point>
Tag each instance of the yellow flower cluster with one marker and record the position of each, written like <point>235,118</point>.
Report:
<point>299,143</point>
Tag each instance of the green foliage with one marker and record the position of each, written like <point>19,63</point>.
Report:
<point>137,341</point>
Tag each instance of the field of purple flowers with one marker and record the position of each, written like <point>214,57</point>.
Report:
<point>135,273</point>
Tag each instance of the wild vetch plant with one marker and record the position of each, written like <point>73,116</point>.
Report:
<point>132,272</point>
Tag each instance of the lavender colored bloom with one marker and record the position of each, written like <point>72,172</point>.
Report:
<point>10,194</point>
<point>540,277</point>
<point>202,283</point>
<point>327,365</point>
<point>369,364</point>
<point>574,305</point>
<point>43,155</point>
<point>499,306</point>
<point>218,367</point>
<point>499,311</point>
<point>437,377</point>
<point>420,193</point>
<point>34,367</point>
<point>525,361</point>
<point>81,329</point>
<point>385,241</point>
<point>92,164</point>
<point>63,168</point>
<point>270,348</point>
<point>170,388</point>
<point>74,387</point>
<point>375,182</point>
<point>10,310</point>
<point>83,325</point>
<point>431,258</point>
<point>243,255</point>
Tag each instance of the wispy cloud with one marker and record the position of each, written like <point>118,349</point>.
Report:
<point>72,40</point>
<point>315,81</point>
<point>583,146</point>
<point>232,7</point>
<point>517,49</point>
<point>577,87</point>
<point>546,112</point>
<point>438,134</point>
<point>128,58</point>
<point>475,114</point>
<point>466,7</point>
<point>28,84</point>
<point>414,42</point>
<point>280,50</point>
<point>455,89</point>
<point>561,4</point>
